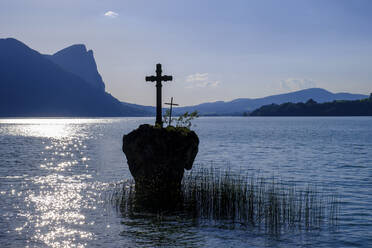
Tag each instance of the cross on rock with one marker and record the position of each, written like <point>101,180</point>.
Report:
<point>158,78</point>
<point>170,112</point>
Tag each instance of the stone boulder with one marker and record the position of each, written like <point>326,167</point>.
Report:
<point>157,157</point>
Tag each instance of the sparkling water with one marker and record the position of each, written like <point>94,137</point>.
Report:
<point>57,176</point>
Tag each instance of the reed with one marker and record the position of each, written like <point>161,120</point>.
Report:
<point>215,196</point>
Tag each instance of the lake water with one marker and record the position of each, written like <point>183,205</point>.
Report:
<point>56,176</point>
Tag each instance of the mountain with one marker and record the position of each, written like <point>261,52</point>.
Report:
<point>77,60</point>
<point>146,110</point>
<point>312,108</point>
<point>68,83</point>
<point>244,105</point>
<point>35,85</point>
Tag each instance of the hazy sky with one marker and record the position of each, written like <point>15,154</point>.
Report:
<point>215,50</point>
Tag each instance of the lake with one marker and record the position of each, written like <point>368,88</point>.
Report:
<point>57,176</point>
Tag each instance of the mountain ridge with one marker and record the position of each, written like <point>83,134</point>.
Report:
<point>31,85</point>
<point>79,61</point>
<point>241,106</point>
<point>68,83</point>
<point>361,107</point>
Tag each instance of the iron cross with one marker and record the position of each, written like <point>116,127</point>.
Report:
<point>170,112</point>
<point>158,78</point>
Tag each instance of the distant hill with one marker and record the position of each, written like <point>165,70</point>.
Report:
<point>243,105</point>
<point>36,85</point>
<point>312,108</point>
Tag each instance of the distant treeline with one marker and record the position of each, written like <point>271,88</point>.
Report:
<point>311,108</point>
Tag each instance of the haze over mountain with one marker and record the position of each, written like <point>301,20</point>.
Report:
<point>64,84</point>
<point>240,106</point>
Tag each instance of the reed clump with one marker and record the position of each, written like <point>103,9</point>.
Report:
<point>215,196</point>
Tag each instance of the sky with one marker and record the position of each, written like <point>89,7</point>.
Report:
<point>215,50</point>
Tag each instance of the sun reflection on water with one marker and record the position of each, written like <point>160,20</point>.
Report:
<point>59,210</point>
<point>47,127</point>
<point>58,199</point>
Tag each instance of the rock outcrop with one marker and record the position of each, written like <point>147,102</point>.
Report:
<point>157,158</point>
<point>79,61</point>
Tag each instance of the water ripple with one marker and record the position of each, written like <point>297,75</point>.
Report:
<point>56,176</point>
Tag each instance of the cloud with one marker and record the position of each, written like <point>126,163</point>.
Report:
<point>111,14</point>
<point>297,84</point>
<point>213,84</point>
<point>197,77</point>
<point>200,80</point>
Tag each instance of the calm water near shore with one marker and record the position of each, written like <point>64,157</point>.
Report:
<point>57,177</point>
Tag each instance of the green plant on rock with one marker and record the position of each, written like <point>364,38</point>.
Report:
<point>167,117</point>
<point>183,120</point>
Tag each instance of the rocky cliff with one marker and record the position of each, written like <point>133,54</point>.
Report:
<point>79,61</point>
<point>32,85</point>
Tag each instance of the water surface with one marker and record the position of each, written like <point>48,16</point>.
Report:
<point>56,176</point>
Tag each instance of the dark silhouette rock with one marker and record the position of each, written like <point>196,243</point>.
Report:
<point>157,158</point>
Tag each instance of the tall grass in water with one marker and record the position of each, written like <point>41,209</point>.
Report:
<point>211,195</point>
<point>216,195</point>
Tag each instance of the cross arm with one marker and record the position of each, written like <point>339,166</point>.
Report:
<point>150,79</point>
<point>166,78</point>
